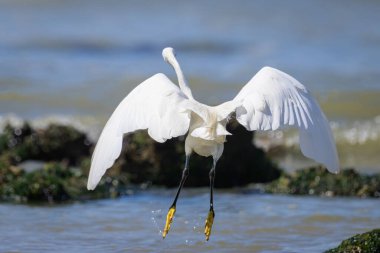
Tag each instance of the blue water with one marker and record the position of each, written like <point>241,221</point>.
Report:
<point>243,223</point>
<point>74,61</point>
<point>101,49</point>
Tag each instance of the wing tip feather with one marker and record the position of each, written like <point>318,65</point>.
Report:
<point>91,184</point>
<point>334,169</point>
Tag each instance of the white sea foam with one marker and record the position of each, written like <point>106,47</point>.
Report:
<point>358,142</point>
<point>352,133</point>
<point>87,124</point>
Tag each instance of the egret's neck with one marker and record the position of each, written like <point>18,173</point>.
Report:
<point>181,78</point>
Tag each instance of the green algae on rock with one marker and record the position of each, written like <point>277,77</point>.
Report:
<point>66,152</point>
<point>8,174</point>
<point>63,158</point>
<point>368,242</point>
<point>54,143</point>
<point>318,181</point>
<point>55,182</point>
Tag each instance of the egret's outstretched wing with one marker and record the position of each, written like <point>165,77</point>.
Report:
<point>157,105</point>
<point>272,99</point>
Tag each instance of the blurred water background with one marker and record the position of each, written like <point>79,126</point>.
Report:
<point>74,61</point>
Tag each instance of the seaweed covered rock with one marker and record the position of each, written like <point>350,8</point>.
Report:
<point>55,143</point>
<point>142,159</point>
<point>162,163</point>
<point>242,162</point>
<point>318,181</point>
<point>368,242</point>
<point>13,140</point>
<point>55,182</point>
<point>8,174</point>
<point>46,184</point>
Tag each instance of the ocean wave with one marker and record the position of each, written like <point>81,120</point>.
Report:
<point>358,145</point>
<point>87,124</point>
<point>345,133</point>
<point>356,133</point>
<point>99,46</point>
<point>358,142</point>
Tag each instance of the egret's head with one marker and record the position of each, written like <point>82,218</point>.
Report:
<point>168,53</point>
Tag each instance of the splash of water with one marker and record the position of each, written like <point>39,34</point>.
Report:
<point>156,214</point>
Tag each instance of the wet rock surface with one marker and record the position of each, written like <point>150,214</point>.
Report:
<point>65,153</point>
<point>162,163</point>
<point>318,181</point>
<point>52,165</point>
<point>61,154</point>
<point>368,242</point>
<point>55,143</point>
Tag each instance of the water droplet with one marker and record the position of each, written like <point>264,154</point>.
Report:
<point>156,213</point>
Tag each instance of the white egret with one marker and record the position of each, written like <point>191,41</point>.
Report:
<point>270,100</point>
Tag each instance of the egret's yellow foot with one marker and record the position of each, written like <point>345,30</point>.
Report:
<point>209,222</point>
<point>169,219</point>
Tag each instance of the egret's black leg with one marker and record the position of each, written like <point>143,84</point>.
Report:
<point>211,213</point>
<point>172,209</point>
<point>185,173</point>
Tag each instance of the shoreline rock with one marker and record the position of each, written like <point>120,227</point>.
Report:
<point>318,181</point>
<point>368,242</point>
<point>63,154</point>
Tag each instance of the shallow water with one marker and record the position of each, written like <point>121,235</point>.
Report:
<point>244,222</point>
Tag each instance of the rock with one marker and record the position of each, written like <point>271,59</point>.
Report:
<point>55,182</point>
<point>14,137</point>
<point>38,165</point>
<point>8,174</point>
<point>46,184</point>
<point>362,243</point>
<point>318,181</point>
<point>55,143</point>
<point>161,163</point>
<point>58,142</point>
<point>142,159</point>
<point>242,162</point>
<point>52,165</point>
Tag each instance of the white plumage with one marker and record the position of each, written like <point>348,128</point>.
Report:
<point>269,101</point>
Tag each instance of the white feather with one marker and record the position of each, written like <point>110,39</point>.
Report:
<point>270,100</point>
<point>273,99</point>
<point>157,105</point>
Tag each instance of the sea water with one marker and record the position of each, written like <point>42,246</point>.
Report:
<point>74,61</point>
<point>244,222</point>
